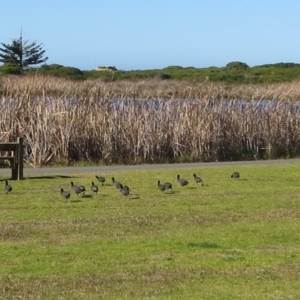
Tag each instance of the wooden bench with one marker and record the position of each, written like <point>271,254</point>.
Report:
<point>16,159</point>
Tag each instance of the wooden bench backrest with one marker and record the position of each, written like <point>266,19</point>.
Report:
<point>9,146</point>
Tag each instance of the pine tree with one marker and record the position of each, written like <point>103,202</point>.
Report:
<point>22,53</point>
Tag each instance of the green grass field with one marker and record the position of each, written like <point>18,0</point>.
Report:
<point>229,239</point>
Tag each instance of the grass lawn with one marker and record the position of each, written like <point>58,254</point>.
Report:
<point>229,239</point>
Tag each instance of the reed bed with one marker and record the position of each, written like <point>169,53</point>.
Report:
<point>149,121</point>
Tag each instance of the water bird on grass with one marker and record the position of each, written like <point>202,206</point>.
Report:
<point>77,189</point>
<point>168,185</point>
<point>161,186</point>
<point>198,179</point>
<point>82,188</point>
<point>101,179</point>
<point>115,183</point>
<point>94,188</point>
<point>235,175</point>
<point>125,187</point>
<point>124,190</point>
<point>181,181</point>
<point>65,194</point>
<point>8,187</point>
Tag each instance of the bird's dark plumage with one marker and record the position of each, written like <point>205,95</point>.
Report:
<point>168,185</point>
<point>82,188</point>
<point>235,175</point>
<point>116,184</point>
<point>77,189</point>
<point>161,186</point>
<point>197,179</point>
<point>94,188</point>
<point>8,187</point>
<point>101,179</point>
<point>125,187</point>
<point>65,194</point>
<point>124,190</point>
<point>182,181</point>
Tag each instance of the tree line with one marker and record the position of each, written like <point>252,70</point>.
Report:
<point>21,55</point>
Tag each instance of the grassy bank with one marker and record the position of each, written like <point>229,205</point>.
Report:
<point>228,239</point>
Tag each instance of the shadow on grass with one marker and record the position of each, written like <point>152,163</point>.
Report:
<point>170,193</point>
<point>204,244</point>
<point>86,196</point>
<point>49,177</point>
<point>134,197</point>
<point>75,200</point>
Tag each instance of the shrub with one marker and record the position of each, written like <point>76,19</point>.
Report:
<point>59,71</point>
<point>11,69</point>
<point>237,65</point>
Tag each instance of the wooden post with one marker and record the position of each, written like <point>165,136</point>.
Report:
<point>14,170</point>
<point>20,158</point>
<point>14,162</point>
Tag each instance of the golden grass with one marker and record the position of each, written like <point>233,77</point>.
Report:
<point>149,121</point>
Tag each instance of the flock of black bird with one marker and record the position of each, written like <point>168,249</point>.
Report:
<point>80,189</point>
<point>124,189</point>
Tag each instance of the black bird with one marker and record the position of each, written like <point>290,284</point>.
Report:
<point>94,188</point>
<point>65,194</point>
<point>182,181</point>
<point>8,187</point>
<point>124,190</point>
<point>125,187</point>
<point>161,186</point>
<point>101,179</point>
<point>197,179</point>
<point>168,185</point>
<point>77,189</point>
<point>116,184</point>
<point>82,188</point>
<point>235,175</point>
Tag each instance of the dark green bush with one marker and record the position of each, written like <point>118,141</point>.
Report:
<point>10,69</point>
<point>58,71</point>
<point>237,65</point>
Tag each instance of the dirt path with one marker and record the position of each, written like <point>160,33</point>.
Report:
<point>99,169</point>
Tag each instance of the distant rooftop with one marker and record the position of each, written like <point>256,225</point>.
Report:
<point>102,68</point>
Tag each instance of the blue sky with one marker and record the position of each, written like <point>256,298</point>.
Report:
<point>141,35</point>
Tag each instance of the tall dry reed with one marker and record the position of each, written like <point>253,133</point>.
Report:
<point>154,121</point>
